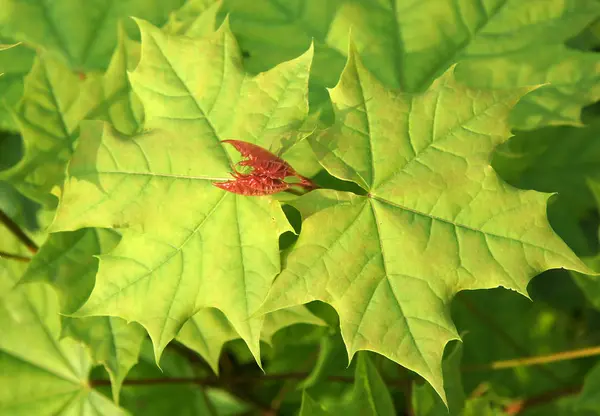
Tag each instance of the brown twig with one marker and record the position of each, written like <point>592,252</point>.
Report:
<point>408,390</point>
<point>540,359</point>
<point>14,257</point>
<point>235,385</point>
<point>214,382</point>
<point>206,381</point>
<point>513,408</point>
<point>17,232</point>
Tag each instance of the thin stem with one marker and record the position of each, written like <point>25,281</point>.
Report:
<point>208,381</point>
<point>408,389</point>
<point>214,382</point>
<point>541,359</point>
<point>307,183</point>
<point>16,230</point>
<point>17,257</point>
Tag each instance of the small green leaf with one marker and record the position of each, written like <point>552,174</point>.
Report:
<point>369,397</point>
<point>15,62</point>
<point>310,407</point>
<point>332,354</point>
<point>196,18</point>
<point>589,398</point>
<point>47,119</point>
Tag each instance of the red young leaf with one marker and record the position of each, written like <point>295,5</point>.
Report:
<point>267,174</point>
<point>253,185</point>
<point>263,161</point>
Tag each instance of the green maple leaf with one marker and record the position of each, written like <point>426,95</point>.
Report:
<point>82,34</point>
<point>47,118</point>
<point>559,159</point>
<point>196,18</point>
<point>109,97</point>
<point>112,342</point>
<point>49,377</point>
<point>200,246</point>
<point>436,219</point>
<point>409,44</point>
<point>67,262</point>
<point>55,101</point>
<point>426,402</point>
<point>208,330</point>
<point>15,62</point>
<point>369,396</point>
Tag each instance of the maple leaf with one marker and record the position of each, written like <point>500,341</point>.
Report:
<point>111,341</point>
<point>186,244</point>
<point>562,160</point>
<point>436,219</point>
<point>15,62</point>
<point>67,262</point>
<point>47,118</point>
<point>195,18</point>
<point>369,397</point>
<point>54,103</point>
<point>50,376</point>
<point>425,400</point>
<point>82,35</point>
<point>408,44</point>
